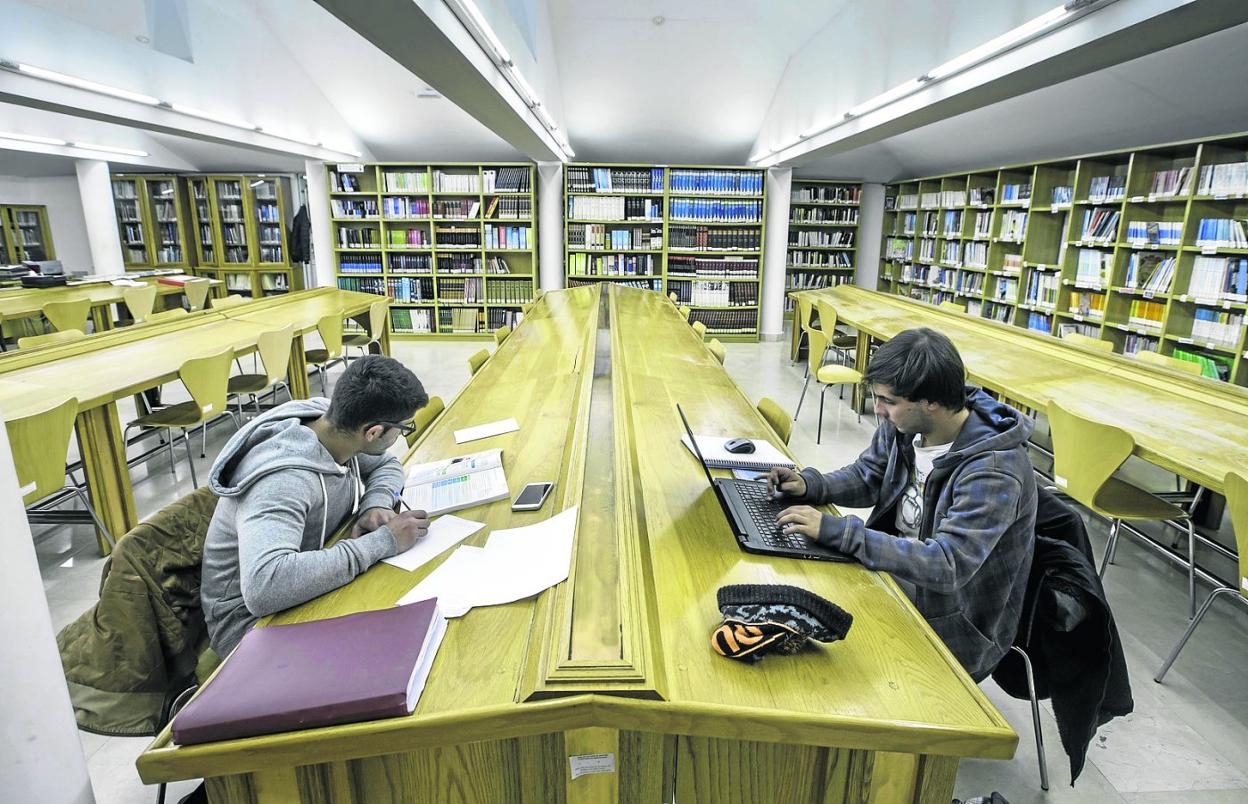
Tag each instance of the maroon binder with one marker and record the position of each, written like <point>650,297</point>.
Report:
<point>319,673</point>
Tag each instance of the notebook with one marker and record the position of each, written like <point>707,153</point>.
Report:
<point>455,483</point>
<point>348,669</point>
<point>763,457</point>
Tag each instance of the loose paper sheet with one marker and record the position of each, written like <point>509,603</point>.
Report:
<point>486,430</point>
<point>444,532</point>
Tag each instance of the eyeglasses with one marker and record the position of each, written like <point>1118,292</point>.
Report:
<point>405,429</point>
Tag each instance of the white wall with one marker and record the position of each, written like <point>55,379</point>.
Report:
<point>870,233</point>
<point>60,195</point>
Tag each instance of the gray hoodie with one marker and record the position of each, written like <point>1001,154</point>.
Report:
<point>282,495</point>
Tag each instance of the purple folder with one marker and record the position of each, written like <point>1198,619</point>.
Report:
<point>320,673</point>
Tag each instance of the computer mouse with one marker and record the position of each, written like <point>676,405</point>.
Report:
<point>741,446</point>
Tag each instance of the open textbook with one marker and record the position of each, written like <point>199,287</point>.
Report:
<point>456,483</point>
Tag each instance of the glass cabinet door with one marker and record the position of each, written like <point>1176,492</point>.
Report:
<point>202,206</point>
<point>167,231</point>
<point>234,246</point>
<point>126,199</point>
<point>28,226</point>
<point>268,214</point>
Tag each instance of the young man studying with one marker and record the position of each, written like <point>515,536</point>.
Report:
<point>287,482</point>
<point>953,493</point>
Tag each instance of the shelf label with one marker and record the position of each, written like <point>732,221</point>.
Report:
<point>1208,249</point>
<point>1219,198</point>
<point>1054,207</point>
<point>1148,294</point>
<point>350,167</point>
<point>1211,345</point>
<point>1152,197</point>
<point>1137,199</point>
<point>586,764</point>
<point>1185,340</point>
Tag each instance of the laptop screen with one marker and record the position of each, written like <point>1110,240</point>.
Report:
<point>694,442</point>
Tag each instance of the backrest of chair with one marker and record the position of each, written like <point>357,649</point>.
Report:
<point>717,349</point>
<point>501,334</point>
<point>804,307</point>
<point>165,315</point>
<point>685,311</point>
<point>377,312</point>
<point>1084,340</point>
<point>64,336</point>
<point>952,306</point>
<point>1085,452</point>
<point>700,329</point>
<point>140,302</point>
<point>816,345</point>
<point>230,300</point>
<point>274,348</point>
<point>424,417</point>
<point>673,297</point>
<point>777,418</point>
<point>1165,361</point>
<point>196,292</point>
<point>476,361</point>
<point>1237,501</point>
<point>330,330</point>
<point>68,314</point>
<point>207,380</point>
<point>827,319</point>
<point>39,442</point>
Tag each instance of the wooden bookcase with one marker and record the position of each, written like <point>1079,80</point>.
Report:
<point>452,244</point>
<point>693,230</point>
<point>151,221</point>
<point>1021,244</point>
<point>240,228</point>
<point>25,234</point>
<point>823,235</point>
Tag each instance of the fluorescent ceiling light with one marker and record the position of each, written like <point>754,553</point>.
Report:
<point>885,98</point>
<point>467,8</point>
<point>107,149</point>
<point>211,116</point>
<point>545,117</point>
<point>997,45</point>
<point>299,140</point>
<point>527,93</point>
<point>90,86</point>
<point>32,138</point>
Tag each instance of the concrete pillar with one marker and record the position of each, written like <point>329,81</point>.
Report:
<point>323,260</point>
<point>96,191</point>
<point>775,252</point>
<point>550,224</point>
<point>870,232</point>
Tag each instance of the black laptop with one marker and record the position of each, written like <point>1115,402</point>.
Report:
<point>752,514</point>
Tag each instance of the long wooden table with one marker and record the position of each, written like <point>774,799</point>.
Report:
<point>617,660</point>
<point>1194,427</point>
<point>19,303</point>
<point>105,367</point>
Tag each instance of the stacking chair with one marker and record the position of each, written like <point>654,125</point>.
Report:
<point>839,344</point>
<point>330,330</point>
<point>377,312</point>
<point>476,361</point>
<point>685,311</point>
<point>207,381</point>
<point>274,349</point>
<point>64,336</point>
<point>425,417</point>
<point>165,315</point>
<point>1091,343</point>
<point>140,301</point>
<point>68,314</point>
<point>826,375</point>
<point>39,442</point>
<point>196,292</point>
<point>952,307</point>
<point>501,334</point>
<point>1165,361</point>
<point>700,328</point>
<point>229,300</point>
<point>802,311</point>
<point>1086,454</point>
<point>1236,500</point>
<point>673,297</point>
<point>777,418</point>
<point>716,348</point>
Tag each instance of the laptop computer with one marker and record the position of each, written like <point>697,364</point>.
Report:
<point>752,515</point>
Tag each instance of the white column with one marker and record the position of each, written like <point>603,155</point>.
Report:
<point>775,252</point>
<point>550,224</point>
<point>322,229</point>
<point>870,231</point>
<point>96,190</point>
<point>41,755</point>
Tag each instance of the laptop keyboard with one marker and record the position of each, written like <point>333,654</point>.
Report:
<point>763,511</point>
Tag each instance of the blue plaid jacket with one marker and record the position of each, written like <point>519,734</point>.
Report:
<point>967,571</point>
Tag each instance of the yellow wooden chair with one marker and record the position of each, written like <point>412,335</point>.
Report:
<point>40,442</point>
<point>501,334</point>
<point>425,417</point>
<point>1237,501</point>
<point>1165,361</point>
<point>196,292</point>
<point>206,380</point>
<point>68,314</point>
<point>1084,340</point>
<point>826,375</point>
<point>274,350</point>
<point>777,418</point>
<point>803,312</point>
<point>64,336</point>
<point>330,330</point>
<point>700,328</point>
<point>685,311</point>
<point>476,361</point>
<point>1086,453</point>
<point>165,315</point>
<point>377,312</point>
<point>140,302</point>
<point>839,343</point>
<point>716,348</point>
<point>673,297</point>
<point>952,307</point>
<point>229,300</point>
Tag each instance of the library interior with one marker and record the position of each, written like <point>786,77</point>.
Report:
<point>585,402</point>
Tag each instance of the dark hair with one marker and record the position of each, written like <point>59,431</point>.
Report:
<point>921,364</point>
<point>375,388</point>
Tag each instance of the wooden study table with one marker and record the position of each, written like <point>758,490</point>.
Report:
<point>617,659</point>
<point>1194,427</point>
<point>103,368</point>
<point>18,303</point>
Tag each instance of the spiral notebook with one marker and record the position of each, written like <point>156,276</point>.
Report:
<point>763,457</point>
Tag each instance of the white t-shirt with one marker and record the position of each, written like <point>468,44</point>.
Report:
<point>910,507</point>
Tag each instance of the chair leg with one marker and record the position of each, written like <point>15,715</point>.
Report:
<point>238,422</point>
<point>1191,629</point>
<point>1110,546</point>
<point>203,444</point>
<point>321,369</point>
<point>802,398</point>
<point>1035,717</point>
<point>819,432</point>
<point>800,337</point>
<point>108,537</point>
<point>186,438</point>
<point>173,466</point>
<point>255,401</point>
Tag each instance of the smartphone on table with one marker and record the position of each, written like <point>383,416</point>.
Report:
<point>532,496</point>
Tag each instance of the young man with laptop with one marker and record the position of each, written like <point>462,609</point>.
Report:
<point>953,492</point>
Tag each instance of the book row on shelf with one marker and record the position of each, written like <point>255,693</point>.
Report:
<point>408,238</point>
<point>716,182</point>
<point>1229,178</point>
<point>727,322</point>
<point>621,180</point>
<point>845,216</point>
<point>614,264</point>
<point>825,193</point>
<point>807,238</point>
<point>713,293</point>
<point>712,267</point>
<point>461,320</point>
<point>599,236</point>
<point>702,238</point>
<point>507,237</point>
<point>820,259</point>
<point>614,208</point>
<point>1231,233</point>
<point>1155,233</point>
<point>639,284</point>
<point>715,210</point>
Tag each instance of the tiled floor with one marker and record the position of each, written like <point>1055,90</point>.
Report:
<point>1186,742</point>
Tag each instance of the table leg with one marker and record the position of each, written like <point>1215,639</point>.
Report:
<point>860,363</point>
<point>297,372</point>
<point>108,477</point>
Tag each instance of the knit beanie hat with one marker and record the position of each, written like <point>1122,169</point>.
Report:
<point>761,619</point>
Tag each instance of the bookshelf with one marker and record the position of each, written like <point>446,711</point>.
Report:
<point>1146,249</point>
<point>823,235</point>
<point>151,221</point>
<point>25,234</point>
<point>692,230</point>
<point>453,245</point>
<point>240,229</point>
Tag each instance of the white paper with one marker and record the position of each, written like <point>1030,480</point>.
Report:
<point>444,532</point>
<point>585,764</point>
<point>486,430</point>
